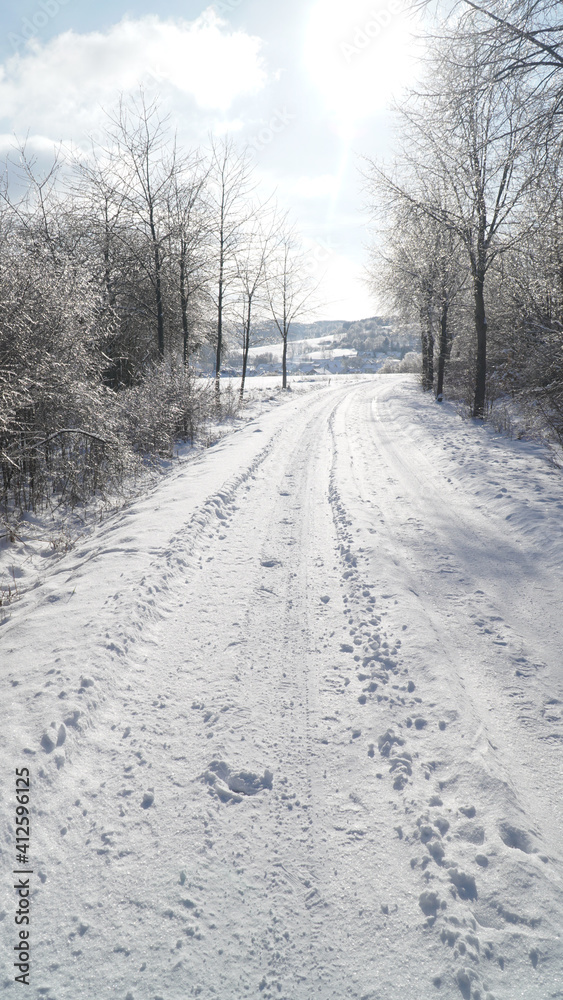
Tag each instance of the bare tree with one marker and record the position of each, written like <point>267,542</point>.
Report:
<point>529,362</point>
<point>254,260</point>
<point>475,139</point>
<point>289,288</point>
<point>229,189</point>
<point>528,34</point>
<point>189,232</point>
<point>51,412</point>
<point>415,267</point>
<point>143,157</point>
<point>515,39</point>
<point>101,202</point>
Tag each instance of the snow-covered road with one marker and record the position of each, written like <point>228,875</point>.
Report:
<point>295,720</point>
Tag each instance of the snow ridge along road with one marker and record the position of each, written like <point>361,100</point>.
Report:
<point>294,721</point>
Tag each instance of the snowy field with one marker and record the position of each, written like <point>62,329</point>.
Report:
<point>294,720</point>
<point>315,348</point>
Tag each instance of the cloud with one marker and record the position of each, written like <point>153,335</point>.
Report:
<point>35,144</point>
<point>62,84</point>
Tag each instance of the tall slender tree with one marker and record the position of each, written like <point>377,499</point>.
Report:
<point>289,288</point>
<point>189,237</point>
<point>254,260</point>
<point>143,157</point>
<point>229,188</point>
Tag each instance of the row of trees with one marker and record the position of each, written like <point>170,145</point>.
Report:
<point>470,236</point>
<point>118,269</point>
<point>183,241</point>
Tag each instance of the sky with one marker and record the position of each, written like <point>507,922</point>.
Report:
<point>304,84</point>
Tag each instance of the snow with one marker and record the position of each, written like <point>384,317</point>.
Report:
<point>294,719</point>
<point>312,347</point>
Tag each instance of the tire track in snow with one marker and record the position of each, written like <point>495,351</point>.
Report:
<point>280,564</point>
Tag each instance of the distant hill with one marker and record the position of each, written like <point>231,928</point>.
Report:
<point>373,328</point>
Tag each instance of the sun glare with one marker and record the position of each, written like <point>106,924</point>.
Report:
<point>359,55</point>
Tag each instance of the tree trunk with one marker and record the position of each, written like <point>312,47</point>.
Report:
<point>159,314</point>
<point>243,376</point>
<point>430,383</point>
<point>284,359</point>
<point>107,262</point>
<point>219,344</point>
<point>427,345</point>
<point>220,290</point>
<point>481,332</point>
<point>158,286</point>
<point>245,348</point>
<point>443,350</point>
<point>184,307</point>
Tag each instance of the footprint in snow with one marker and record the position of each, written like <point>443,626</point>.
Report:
<point>464,883</point>
<point>53,737</point>
<point>516,838</point>
<point>72,718</point>
<point>429,903</point>
<point>229,785</point>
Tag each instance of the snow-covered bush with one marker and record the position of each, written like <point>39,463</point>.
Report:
<point>53,409</point>
<point>410,364</point>
<point>169,403</point>
<point>390,366</point>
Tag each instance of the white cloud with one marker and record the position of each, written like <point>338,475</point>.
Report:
<point>35,144</point>
<point>59,87</point>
